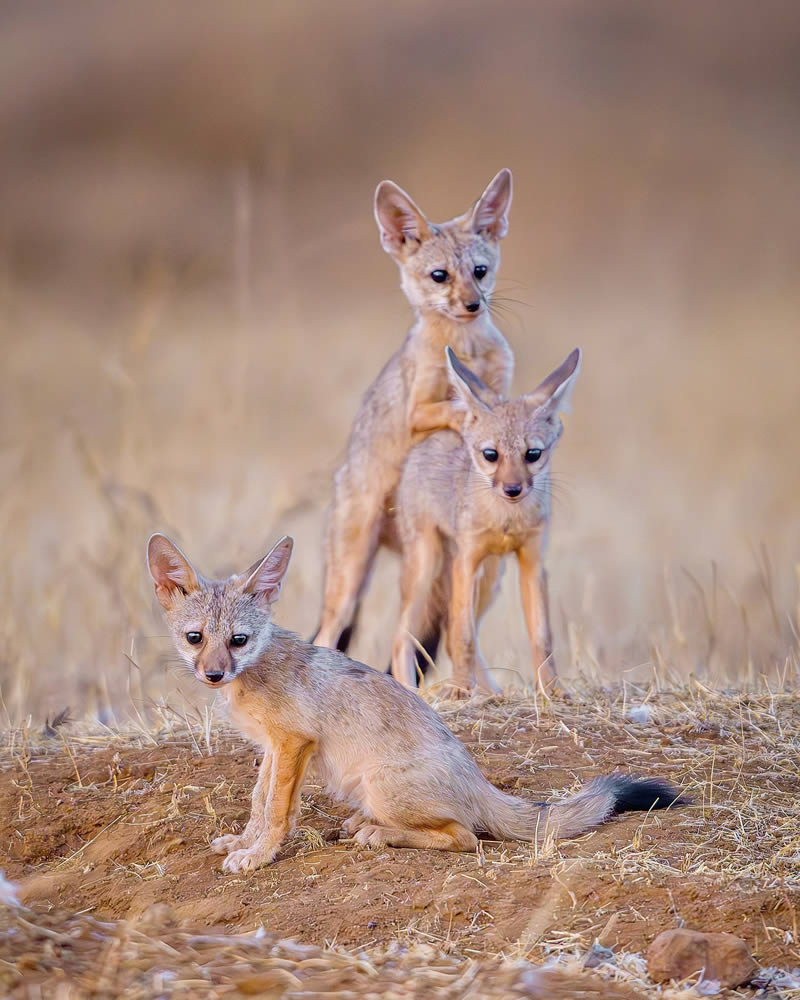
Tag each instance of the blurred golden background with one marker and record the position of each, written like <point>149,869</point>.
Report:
<point>193,299</point>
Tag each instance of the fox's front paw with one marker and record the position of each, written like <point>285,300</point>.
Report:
<point>230,842</point>
<point>249,859</point>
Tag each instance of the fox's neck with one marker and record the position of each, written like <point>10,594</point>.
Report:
<point>440,329</point>
<point>268,694</point>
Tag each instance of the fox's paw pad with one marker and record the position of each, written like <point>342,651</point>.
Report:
<point>371,836</point>
<point>247,860</point>
<point>229,842</point>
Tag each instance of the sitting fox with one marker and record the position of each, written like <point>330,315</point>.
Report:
<point>375,745</point>
<point>466,500</point>
<point>448,273</point>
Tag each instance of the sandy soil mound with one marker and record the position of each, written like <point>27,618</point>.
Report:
<point>109,826</point>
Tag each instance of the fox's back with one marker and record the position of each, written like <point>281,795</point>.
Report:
<point>358,717</point>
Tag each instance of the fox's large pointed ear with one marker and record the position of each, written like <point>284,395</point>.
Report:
<point>471,393</point>
<point>171,571</point>
<point>490,214</point>
<point>555,392</point>
<point>265,577</point>
<point>400,221</point>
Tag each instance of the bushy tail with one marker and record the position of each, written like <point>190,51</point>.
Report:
<point>515,819</point>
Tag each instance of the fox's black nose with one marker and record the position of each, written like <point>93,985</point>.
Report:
<point>214,676</point>
<point>512,489</point>
<point>472,307</point>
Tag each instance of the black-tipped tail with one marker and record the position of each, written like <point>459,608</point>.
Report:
<point>641,794</point>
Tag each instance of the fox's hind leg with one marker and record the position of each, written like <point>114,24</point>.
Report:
<point>469,594</point>
<point>351,540</point>
<point>448,837</point>
<point>488,587</point>
<point>533,586</point>
<point>421,563</point>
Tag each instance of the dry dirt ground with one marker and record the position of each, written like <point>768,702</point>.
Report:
<point>96,828</point>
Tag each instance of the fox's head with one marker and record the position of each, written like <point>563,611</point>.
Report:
<point>511,442</point>
<point>448,268</point>
<point>219,628</point>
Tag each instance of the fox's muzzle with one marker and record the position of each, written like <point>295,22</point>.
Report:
<point>214,667</point>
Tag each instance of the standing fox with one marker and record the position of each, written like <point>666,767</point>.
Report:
<point>375,745</point>
<point>448,274</point>
<point>466,500</point>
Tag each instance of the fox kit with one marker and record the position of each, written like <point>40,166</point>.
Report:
<point>464,501</point>
<point>448,273</point>
<point>375,745</point>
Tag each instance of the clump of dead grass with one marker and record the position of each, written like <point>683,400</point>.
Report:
<point>71,956</point>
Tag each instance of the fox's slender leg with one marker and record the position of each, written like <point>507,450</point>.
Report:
<point>255,825</point>
<point>421,563</point>
<point>488,586</point>
<point>352,535</point>
<point>290,760</point>
<point>461,621</point>
<point>294,801</point>
<point>449,837</point>
<point>533,587</point>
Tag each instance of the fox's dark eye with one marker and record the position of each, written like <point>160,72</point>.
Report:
<point>490,454</point>
<point>439,275</point>
<point>533,454</point>
<point>480,271</point>
<point>238,640</point>
<point>194,637</point>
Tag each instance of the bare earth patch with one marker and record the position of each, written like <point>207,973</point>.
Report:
<point>99,827</point>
